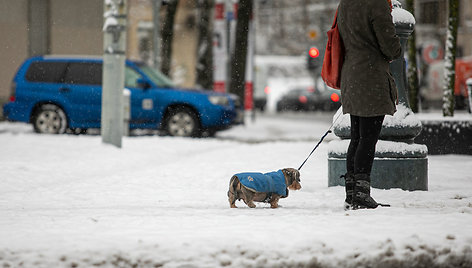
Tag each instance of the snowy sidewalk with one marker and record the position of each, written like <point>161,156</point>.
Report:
<point>70,201</point>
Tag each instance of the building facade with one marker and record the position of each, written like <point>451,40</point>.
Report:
<point>283,27</point>
<point>431,26</point>
<point>70,27</point>
<point>36,27</point>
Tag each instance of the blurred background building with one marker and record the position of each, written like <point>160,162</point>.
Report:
<point>431,16</point>
<point>283,27</point>
<point>70,27</point>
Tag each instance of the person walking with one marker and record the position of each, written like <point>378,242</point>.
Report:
<point>367,87</point>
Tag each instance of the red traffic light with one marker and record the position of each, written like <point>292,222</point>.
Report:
<point>313,52</point>
<point>335,97</point>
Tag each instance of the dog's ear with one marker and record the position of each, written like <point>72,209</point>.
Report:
<point>293,173</point>
<point>296,175</point>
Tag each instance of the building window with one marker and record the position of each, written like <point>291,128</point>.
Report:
<point>145,34</point>
<point>435,12</point>
<point>429,12</point>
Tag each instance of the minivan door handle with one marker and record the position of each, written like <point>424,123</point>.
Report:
<point>64,89</point>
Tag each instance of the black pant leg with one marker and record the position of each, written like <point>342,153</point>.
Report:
<point>351,151</point>
<point>369,132</point>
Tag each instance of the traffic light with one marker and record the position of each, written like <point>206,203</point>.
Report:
<point>313,60</point>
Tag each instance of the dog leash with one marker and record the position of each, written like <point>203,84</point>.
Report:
<point>321,140</point>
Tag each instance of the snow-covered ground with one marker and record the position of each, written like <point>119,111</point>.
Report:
<point>71,201</point>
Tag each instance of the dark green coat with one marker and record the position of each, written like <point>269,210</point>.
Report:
<point>369,37</point>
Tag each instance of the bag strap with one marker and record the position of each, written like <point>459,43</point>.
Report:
<point>335,19</point>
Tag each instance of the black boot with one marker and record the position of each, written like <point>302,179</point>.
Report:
<point>362,198</point>
<point>349,182</point>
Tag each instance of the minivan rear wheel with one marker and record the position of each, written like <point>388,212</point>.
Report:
<point>182,122</point>
<point>50,119</point>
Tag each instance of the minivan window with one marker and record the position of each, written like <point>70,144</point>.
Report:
<point>131,78</point>
<point>46,71</point>
<point>83,73</point>
<point>158,78</point>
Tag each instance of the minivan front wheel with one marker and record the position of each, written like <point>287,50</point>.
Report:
<point>50,119</point>
<point>182,122</point>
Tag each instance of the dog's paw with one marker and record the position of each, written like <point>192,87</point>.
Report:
<point>251,204</point>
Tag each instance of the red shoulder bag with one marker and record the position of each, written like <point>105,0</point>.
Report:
<point>334,57</point>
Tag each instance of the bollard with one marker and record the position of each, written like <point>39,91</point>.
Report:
<point>398,162</point>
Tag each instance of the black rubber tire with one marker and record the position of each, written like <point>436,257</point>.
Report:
<point>182,122</point>
<point>49,119</point>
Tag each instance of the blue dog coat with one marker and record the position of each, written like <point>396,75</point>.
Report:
<point>271,182</point>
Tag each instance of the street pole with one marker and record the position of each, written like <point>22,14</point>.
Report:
<point>469,91</point>
<point>114,40</point>
<point>156,8</point>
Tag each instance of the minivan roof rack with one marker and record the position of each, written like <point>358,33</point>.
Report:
<point>58,56</point>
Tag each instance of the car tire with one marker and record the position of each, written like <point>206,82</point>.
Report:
<point>209,133</point>
<point>182,122</point>
<point>78,131</point>
<point>49,119</point>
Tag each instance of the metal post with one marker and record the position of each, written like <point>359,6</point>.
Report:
<point>469,88</point>
<point>114,38</point>
<point>156,45</point>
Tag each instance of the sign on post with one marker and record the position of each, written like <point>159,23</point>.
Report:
<point>220,49</point>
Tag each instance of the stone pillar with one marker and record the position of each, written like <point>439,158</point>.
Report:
<point>399,162</point>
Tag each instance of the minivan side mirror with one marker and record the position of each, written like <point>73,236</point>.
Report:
<point>143,83</point>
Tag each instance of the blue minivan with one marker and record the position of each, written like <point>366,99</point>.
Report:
<point>57,93</point>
